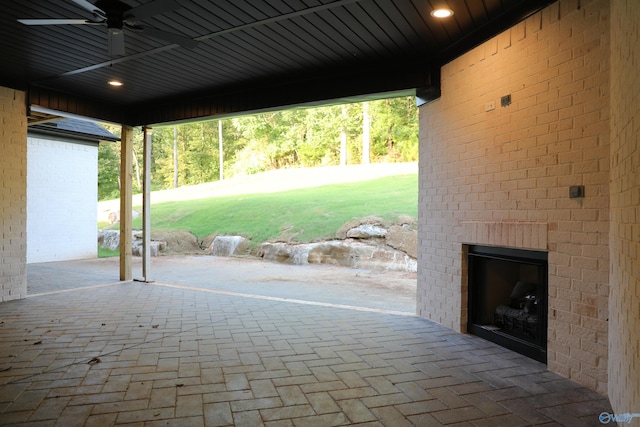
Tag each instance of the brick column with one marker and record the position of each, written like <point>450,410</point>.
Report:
<point>500,174</point>
<point>624,302</point>
<point>13,195</point>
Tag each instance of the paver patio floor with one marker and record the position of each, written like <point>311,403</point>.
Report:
<point>137,354</point>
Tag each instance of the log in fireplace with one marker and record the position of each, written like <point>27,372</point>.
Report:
<point>508,298</point>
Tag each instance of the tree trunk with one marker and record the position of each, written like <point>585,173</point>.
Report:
<point>175,157</point>
<point>343,137</point>
<point>220,148</point>
<point>366,133</point>
<point>136,164</point>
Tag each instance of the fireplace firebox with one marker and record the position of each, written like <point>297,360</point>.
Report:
<point>508,298</point>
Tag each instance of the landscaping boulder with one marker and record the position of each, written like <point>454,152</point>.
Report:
<point>404,238</point>
<point>359,254</point>
<point>367,231</point>
<point>113,216</point>
<point>347,253</point>
<point>285,253</point>
<point>109,239</point>
<point>155,247</point>
<point>342,231</point>
<point>228,245</point>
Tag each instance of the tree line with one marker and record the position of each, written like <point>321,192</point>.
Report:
<point>186,154</point>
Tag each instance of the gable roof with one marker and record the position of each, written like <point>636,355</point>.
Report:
<point>76,129</point>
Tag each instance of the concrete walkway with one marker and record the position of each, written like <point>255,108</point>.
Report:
<point>183,354</point>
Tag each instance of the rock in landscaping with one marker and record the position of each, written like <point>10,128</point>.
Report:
<point>109,239</point>
<point>155,247</point>
<point>367,231</point>
<point>357,254</point>
<point>286,254</point>
<point>137,248</point>
<point>404,238</point>
<point>342,231</point>
<point>228,245</point>
<point>346,253</point>
<point>113,216</point>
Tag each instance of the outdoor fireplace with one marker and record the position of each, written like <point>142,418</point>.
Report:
<point>508,298</point>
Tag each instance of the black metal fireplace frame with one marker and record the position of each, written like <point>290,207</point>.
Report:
<point>476,253</point>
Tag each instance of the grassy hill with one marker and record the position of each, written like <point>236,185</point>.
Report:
<point>310,213</point>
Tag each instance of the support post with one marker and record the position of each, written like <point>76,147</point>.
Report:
<point>126,203</point>
<point>146,206</point>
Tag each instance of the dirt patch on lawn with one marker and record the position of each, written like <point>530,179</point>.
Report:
<point>178,242</point>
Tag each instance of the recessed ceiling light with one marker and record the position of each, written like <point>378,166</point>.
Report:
<point>441,13</point>
<point>115,83</point>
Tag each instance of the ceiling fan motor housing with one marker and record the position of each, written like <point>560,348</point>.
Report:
<point>115,11</point>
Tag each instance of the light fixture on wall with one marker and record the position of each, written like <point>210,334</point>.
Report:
<point>441,12</point>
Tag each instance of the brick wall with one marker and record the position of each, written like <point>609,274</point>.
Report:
<point>13,195</point>
<point>624,304</point>
<point>501,175</point>
<point>61,200</point>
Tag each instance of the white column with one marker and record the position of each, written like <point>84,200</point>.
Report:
<point>146,206</point>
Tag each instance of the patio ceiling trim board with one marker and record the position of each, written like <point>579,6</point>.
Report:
<point>251,58</point>
<point>353,85</point>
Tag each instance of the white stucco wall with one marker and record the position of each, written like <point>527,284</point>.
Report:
<point>62,194</point>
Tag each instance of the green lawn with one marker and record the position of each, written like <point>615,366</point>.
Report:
<point>106,253</point>
<point>311,214</point>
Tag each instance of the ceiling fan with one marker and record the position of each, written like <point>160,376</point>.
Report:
<point>119,16</point>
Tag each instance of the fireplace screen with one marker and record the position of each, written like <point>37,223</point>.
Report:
<point>508,298</point>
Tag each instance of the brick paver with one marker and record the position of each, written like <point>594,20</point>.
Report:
<point>147,354</point>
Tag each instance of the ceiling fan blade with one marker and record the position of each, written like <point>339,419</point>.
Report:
<point>152,8</point>
<point>56,21</point>
<point>170,37</point>
<point>116,42</point>
<point>88,6</point>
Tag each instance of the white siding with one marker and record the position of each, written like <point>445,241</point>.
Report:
<point>62,194</point>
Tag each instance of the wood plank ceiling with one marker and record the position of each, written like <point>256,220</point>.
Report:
<point>250,55</point>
